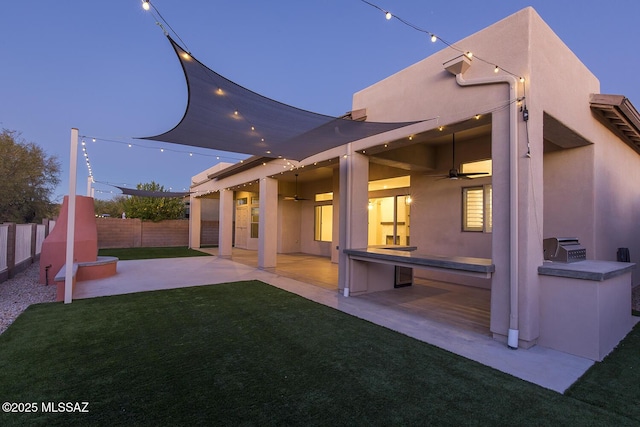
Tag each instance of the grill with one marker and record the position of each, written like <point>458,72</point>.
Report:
<point>563,249</point>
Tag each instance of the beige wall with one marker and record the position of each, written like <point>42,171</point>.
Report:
<point>617,213</point>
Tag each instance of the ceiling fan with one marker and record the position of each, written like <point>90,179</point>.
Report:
<point>453,172</point>
<point>295,198</point>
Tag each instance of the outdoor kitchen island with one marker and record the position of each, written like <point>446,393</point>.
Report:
<point>585,306</point>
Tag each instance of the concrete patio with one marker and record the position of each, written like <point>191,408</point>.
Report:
<point>548,368</point>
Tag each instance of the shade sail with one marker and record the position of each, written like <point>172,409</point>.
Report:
<point>147,193</point>
<point>225,116</point>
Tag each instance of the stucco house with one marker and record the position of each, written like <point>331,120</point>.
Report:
<point>499,159</point>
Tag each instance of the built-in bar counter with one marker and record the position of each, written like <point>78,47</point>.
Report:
<point>377,268</point>
<point>585,306</point>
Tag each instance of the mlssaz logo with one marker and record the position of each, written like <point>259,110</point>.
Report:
<point>65,407</point>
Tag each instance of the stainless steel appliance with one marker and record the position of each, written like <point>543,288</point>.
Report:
<point>563,249</point>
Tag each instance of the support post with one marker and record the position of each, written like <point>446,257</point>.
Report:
<point>225,224</point>
<point>71,218</point>
<point>268,223</point>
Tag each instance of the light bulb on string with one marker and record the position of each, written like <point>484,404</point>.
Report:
<point>146,5</point>
<point>434,38</point>
<point>388,15</point>
<point>495,70</point>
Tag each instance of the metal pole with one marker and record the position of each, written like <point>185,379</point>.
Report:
<point>71,217</point>
<point>89,182</point>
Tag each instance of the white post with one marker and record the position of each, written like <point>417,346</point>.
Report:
<point>89,189</point>
<point>71,217</point>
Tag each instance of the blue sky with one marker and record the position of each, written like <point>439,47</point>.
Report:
<point>106,68</point>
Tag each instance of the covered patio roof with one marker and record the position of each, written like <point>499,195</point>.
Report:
<point>225,116</point>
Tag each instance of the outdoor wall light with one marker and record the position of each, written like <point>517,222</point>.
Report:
<point>458,65</point>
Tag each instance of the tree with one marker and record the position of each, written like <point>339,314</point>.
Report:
<point>153,208</point>
<point>113,207</point>
<point>28,177</point>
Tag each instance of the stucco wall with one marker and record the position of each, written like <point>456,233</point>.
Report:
<point>617,196</point>
<point>569,195</point>
<point>289,226</point>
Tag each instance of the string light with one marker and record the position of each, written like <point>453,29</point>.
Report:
<point>86,158</point>
<point>190,153</point>
<point>435,38</point>
<point>145,5</point>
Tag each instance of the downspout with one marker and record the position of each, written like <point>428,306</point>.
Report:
<point>348,216</point>
<point>512,338</point>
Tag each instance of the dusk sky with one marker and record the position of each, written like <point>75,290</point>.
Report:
<point>107,69</point>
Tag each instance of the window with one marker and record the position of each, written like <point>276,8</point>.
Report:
<point>242,201</point>
<point>323,229</point>
<point>483,167</point>
<point>390,183</point>
<point>389,220</point>
<point>324,197</point>
<point>255,217</point>
<point>476,209</point>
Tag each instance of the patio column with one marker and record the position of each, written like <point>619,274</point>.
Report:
<point>335,231</point>
<point>225,235</point>
<point>195,222</point>
<point>268,223</point>
<point>354,215</point>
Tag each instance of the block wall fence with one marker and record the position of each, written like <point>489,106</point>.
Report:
<point>134,233</point>
<point>21,244</point>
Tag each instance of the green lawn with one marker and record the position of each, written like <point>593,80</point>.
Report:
<point>250,354</point>
<point>148,253</point>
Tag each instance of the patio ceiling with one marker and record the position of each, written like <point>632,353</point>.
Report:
<point>225,116</point>
<point>618,114</point>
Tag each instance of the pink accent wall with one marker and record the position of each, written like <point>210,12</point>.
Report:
<point>85,241</point>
